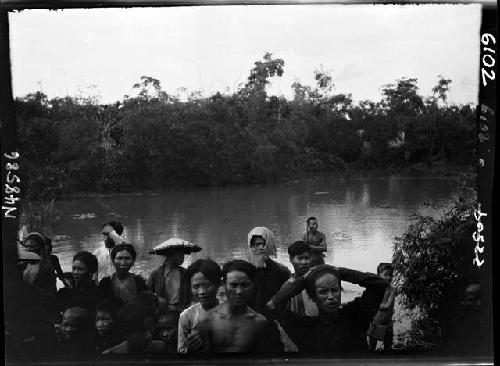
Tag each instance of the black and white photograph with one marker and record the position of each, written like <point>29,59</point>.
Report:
<point>286,184</point>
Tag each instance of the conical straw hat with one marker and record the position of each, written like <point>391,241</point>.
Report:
<point>174,244</point>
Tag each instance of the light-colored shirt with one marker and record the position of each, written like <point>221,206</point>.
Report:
<point>173,286</point>
<point>302,304</point>
<point>188,320</point>
<point>105,266</point>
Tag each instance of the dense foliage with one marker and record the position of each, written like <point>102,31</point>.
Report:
<point>433,262</point>
<point>155,139</point>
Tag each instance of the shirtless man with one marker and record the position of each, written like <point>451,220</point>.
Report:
<point>232,326</point>
<point>316,240</point>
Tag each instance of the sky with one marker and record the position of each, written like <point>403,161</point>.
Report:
<point>83,52</point>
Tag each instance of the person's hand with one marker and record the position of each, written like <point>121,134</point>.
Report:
<point>194,341</point>
<point>270,305</point>
<point>67,282</point>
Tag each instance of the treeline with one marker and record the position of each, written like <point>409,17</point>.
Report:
<point>155,139</point>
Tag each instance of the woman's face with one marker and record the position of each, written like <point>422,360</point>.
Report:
<point>31,245</point>
<point>258,245</point>
<point>80,270</point>
<point>123,261</point>
<point>327,293</point>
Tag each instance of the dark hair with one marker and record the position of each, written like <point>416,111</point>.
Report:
<point>317,272</point>
<point>89,259</point>
<point>48,244</point>
<point>297,248</point>
<point>116,225</point>
<point>252,240</point>
<point>208,267</point>
<point>110,305</point>
<point>239,265</point>
<point>170,312</point>
<point>382,267</point>
<point>311,219</point>
<point>122,247</point>
<point>148,301</point>
<point>131,316</point>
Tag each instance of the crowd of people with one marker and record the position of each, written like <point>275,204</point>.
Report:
<point>244,306</point>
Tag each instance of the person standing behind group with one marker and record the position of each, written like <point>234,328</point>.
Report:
<point>205,276</point>
<point>269,275</point>
<point>170,281</point>
<point>111,232</point>
<point>381,328</point>
<point>316,240</point>
<point>123,284</point>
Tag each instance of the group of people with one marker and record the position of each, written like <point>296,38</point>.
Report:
<point>244,306</point>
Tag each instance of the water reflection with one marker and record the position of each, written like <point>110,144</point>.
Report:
<point>359,217</point>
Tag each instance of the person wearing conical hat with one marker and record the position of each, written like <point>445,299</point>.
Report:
<point>270,274</point>
<point>170,281</point>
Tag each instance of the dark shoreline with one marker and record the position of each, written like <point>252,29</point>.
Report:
<point>416,171</point>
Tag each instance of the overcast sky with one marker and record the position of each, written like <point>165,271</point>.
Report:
<point>213,48</point>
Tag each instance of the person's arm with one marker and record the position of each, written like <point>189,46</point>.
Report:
<point>151,281</point>
<point>57,266</point>
<point>363,308</point>
<point>289,289</point>
<point>321,246</point>
<point>117,239</point>
<point>182,333</point>
<point>140,283</point>
<point>389,304</point>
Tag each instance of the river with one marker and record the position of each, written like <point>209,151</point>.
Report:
<point>360,218</point>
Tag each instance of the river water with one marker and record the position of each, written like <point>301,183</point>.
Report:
<point>360,218</point>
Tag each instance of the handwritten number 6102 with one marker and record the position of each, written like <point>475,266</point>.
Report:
<point>488,60</point>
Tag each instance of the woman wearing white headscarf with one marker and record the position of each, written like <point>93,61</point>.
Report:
<point>270,274</point>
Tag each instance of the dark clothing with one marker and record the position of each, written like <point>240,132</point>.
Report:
<point>468,334</point>
<point>106,285</point>
<point>346,333</point>
<point>54,261</point>
<point>268,281</point>
<point>30,315</point>
<point>46,277</point>
<point>80,348</point>
<point>112,339</point>
<point>85,294</point>
<point>156,284</point>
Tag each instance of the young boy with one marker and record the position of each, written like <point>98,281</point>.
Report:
<point>205,277</point>
<point>381,328</point>
<point>300,255</point>
<point>137,323</point>
<point>76,338</point>
<point>166,329</point>
<point>108,334</point>
<point>233,326</point>
<point>316,240</point>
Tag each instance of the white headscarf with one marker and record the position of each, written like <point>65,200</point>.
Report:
<point>258,260</point>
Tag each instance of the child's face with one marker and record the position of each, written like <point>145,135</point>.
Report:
<point>221,294</point>
<point>312,225</point>
<point>71,323</point>
<point>103,322</point>
<point>301,263</point>
<point>203,290</point>
<point>386,275</point>
<point>140,339</point>
<point>167,328</point>
<point>79,270</point>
